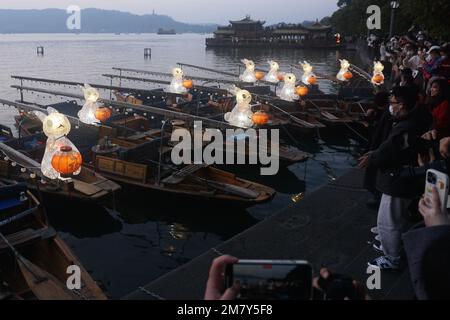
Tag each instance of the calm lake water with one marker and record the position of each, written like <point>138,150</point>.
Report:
<point>150,236</point>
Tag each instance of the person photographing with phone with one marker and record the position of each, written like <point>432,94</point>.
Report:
<point>428,251</point>
<point>234,279</point>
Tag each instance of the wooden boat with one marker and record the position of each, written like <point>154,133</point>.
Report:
<point>88,186</point>
<point>138,125</point>
<point>38,269</point>
<point>133,158</point>
<point>279,116</point>
<point>144,161</point>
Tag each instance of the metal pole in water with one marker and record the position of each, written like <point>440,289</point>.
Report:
<point>147,53</point>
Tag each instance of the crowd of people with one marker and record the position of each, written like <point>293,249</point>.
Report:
<point>409,134</point>
<point>409,128</point>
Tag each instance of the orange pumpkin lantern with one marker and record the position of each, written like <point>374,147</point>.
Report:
<point>260,118</point>
<point>188,84</point>
<point>281,77</point>
<point>348,75</point>
<point>103,114</point>
<point>67,161</point>
<point>301,91</point>
<point>312,80</point>
<point>259,75</point>
<point>378,78</point>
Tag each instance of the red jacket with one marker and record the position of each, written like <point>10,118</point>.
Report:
<point>441,116</point>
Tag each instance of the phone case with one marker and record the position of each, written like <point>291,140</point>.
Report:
<point>442,185</point>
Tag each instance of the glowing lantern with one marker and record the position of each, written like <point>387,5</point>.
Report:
<point>241,115</point>
<point>260,118</point>
<point>272,76</point>
<point>87,113</point>
<point>176,85</point>
<point>259,75</point>
<point>378,77</point>
<point>56,127</point>
<point>287,92</point>
<point>188,84</point>
<point>348,75</point>
<point>249,73</point>
<point>312,80</point>
<point>308,77</point>
<point>103,114</point>
<point>67,161</point>
<point>344,74</point>
<point>301,91</point>
<point>337,36</point>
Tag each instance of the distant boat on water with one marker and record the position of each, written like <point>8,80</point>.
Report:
<point>162,31</point>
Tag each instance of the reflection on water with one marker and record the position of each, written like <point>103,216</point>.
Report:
<point>148,235</point>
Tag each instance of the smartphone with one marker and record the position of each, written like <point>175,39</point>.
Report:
<point>271,279</point>
<point>439,180</point>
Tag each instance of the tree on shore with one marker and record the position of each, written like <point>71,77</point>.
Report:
<point>351,17</point>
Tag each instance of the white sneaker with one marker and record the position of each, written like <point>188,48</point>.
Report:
<point>378,247</point>
<point>384,263</point>
<point>374,230</point>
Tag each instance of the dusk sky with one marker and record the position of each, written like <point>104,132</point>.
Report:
<point>199,11</point>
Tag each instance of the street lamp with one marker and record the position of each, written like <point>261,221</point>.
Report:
<point>394,6</point>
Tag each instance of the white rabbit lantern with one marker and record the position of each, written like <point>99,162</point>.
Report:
<point>288,92</point>
<point>273,76</point>
<point>344,74</point>
<point>308,77</point>
<point>90,107</point>
<point>56,127</point>
<point>176,85</point>
<point>249,75</point>
<point>241,115</point>
<point>378,76</point>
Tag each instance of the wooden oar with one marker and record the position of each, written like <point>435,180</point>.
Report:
<point>181,64</point>
<point>43,285</point>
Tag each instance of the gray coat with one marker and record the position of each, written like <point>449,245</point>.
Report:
<point>428,254</point>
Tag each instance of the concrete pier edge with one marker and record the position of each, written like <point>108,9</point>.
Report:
<point>329,227</point>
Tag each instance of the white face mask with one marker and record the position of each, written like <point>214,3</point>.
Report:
<point>391,110</point>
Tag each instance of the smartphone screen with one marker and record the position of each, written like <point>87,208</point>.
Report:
<point>271,280</point>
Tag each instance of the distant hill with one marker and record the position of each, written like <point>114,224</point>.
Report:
<point>92,21</point>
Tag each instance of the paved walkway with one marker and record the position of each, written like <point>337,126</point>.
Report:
<point>330,227</point>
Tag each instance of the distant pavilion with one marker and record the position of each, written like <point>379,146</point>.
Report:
<point>253,33</point>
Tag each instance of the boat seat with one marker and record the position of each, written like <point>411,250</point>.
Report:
<point>26,237</point>
<point>87,189</point>
<point>141,135</point>
<point>180,175</point>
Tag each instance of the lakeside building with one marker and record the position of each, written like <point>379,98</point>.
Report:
<point>253,33</point>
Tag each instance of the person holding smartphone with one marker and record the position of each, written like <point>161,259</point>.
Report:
<point>230,278</point>
<point>428,251</point>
